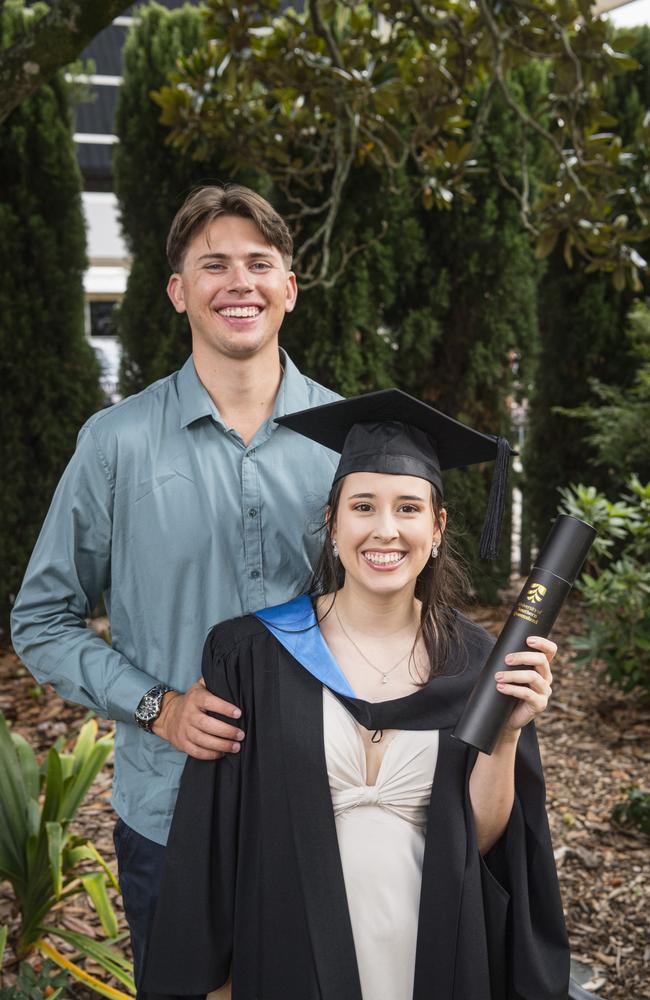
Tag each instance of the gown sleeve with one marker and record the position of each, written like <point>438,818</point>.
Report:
<point>529,953</point>
<point>190,948</point>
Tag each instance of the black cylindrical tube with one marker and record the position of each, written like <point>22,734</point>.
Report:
<point>534,613</point>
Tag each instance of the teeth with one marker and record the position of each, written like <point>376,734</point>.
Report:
<point>383,558</point>
<point>239,312</point>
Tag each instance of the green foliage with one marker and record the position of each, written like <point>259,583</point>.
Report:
<point>613,421</point>
<point>587,347</point>
<point>616,587</point>
<point>635,811</point>
<point>581,318</point>
<point>151,181</point>
<point>35,983</point>
<point>39,856</point>
<point>308,96</point>
<point>434,306</point>
<point>48,371</point>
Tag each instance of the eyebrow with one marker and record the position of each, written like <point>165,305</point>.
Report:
<point>249,256</point>
<point>371,496</point>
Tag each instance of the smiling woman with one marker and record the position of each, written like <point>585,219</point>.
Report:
<point>381,859</point>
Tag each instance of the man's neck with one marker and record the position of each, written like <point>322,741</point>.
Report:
<point>243,389</point>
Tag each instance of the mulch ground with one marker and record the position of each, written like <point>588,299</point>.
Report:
<point>595,744</point>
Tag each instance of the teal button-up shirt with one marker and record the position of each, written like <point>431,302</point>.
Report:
<point>166,512</point>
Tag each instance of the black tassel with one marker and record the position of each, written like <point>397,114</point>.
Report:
<point>496,502</point>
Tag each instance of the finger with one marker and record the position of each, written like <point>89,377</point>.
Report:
<point>535,699</point>
<point>213,743</point>
<point>200,754</point>
<point>531,678</point>
<point>202,723</point>
<point>530,659</point>
<point>207,702</point>
<point>547,646</point>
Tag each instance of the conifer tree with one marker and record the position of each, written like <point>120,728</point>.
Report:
<point>48,372</point>
<point>582,318</point>
<point>152,179</point>
<point>434,306</point>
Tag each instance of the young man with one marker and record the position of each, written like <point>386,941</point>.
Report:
<point>183,505</point>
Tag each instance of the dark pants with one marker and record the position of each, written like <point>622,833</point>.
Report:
<point>139,867</point>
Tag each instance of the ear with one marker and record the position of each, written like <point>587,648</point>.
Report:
<point>440,525</point>
<point>291,292</point>
<point>176,293</point>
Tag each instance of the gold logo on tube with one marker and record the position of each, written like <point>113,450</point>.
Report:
<point>536,593</point>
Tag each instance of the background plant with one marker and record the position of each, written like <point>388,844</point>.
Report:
<point>48,371</point>
<point>35,983</point>
<point>634,811</point>
<point>616,588</point>
<point>308,96</point>
<point>46,863</point>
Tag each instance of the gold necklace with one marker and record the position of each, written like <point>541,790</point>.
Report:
<point>384,673</point>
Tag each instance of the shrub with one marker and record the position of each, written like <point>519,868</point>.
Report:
<point>46,863</point>
<point>48,372</point>
<point>46,980</point>
<point>616,586</point>
<point>635,811</point>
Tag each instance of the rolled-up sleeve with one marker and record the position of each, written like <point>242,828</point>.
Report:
<point>67,574</point>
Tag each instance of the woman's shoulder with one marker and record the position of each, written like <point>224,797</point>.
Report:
<point>227,636</point>
<point>257,627</point>
<point>473,634</point>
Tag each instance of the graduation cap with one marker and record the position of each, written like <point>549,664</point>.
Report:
<point>391,432</point>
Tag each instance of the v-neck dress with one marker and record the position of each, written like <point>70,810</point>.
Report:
<point>381,832</point>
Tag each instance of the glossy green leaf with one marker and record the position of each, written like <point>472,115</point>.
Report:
<point>95,886</point>
<point>54,852</point>
<point>28,765</point>
<point>77,789</point>
<point>53,788</point>
<point>108,957</point>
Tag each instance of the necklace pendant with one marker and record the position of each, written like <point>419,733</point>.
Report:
<point>384,679</point>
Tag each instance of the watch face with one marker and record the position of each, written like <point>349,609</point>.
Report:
<point>149,709</point>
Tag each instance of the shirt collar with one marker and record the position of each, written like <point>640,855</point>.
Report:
<point>292,394</point>
<point>195,401</point>
<point>194,398</point>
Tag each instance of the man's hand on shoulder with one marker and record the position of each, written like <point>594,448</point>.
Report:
<point>184,722</point>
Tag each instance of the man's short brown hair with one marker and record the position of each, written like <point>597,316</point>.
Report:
<point>206,204</point>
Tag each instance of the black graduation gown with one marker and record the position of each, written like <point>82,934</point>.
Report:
<point>253,877</point>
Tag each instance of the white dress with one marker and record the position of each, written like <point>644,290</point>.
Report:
<point>381,830</point>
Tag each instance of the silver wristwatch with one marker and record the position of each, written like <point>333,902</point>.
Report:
<point>150,706</point>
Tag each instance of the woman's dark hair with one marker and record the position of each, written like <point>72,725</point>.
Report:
<point>442,586</point>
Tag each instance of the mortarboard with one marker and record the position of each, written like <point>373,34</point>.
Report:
<point>391,432</point>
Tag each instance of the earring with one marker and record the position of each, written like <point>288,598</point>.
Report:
<point>434,551</point>
<point>335,549</point>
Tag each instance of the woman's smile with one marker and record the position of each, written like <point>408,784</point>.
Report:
<point>384,559</point>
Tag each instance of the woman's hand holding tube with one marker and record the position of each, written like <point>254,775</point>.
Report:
<point>492,782</point>
<point>528,678</point>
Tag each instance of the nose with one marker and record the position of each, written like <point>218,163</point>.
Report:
<point>240,279</point>
<point>385,527</point>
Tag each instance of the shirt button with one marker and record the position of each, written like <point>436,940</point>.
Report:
<point>254,574</point>
<point>252,512</point>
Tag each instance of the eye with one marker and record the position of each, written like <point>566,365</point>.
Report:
<point>261,265</point>
<point>214,266</point>
<point>362,507</point>
<point>408,508</point>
